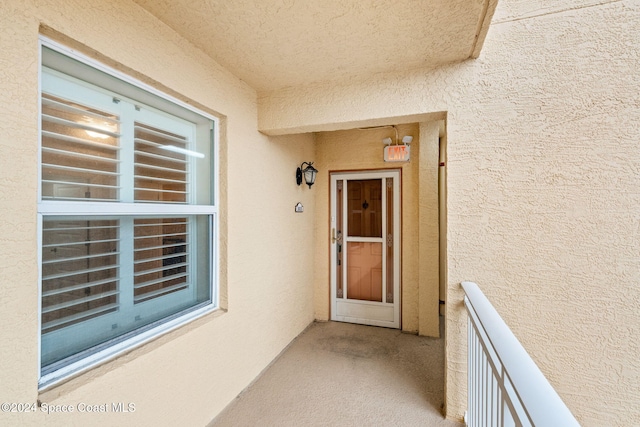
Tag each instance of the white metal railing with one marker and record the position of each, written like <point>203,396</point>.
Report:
<point>505,386</point>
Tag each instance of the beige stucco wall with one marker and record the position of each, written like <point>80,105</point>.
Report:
<point>543,175</point>
<point>187,376</point>
<point>357,149</point>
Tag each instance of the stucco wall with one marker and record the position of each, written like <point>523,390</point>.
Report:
<point>543,176</point>
<point>187,376</point>
<point>357,149</point>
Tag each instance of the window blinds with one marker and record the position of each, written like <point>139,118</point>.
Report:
<point>160,166</point>
<point>80,148</point>
<point>80,277</point>
<point>82,161</point>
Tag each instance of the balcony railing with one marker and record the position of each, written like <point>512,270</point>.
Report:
<point>505,387</point>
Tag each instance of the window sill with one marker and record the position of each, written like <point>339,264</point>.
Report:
<point>59,387</point>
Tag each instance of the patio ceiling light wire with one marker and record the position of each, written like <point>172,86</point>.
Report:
<point>383,127</point>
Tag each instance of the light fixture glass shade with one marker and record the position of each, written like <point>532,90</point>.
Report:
<point>310,175</point>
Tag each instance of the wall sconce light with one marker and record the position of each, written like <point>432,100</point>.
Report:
<point>309,174</point>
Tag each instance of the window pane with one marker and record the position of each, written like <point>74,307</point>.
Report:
<point>79,271</point>
<point>107,277</point>
<point>79,151</point>
<point>390,241</point>
<point>364,271</point>
<point>339,242</point>
<point>161,161</point>
<point>364,198</point>
<point>161,257</point>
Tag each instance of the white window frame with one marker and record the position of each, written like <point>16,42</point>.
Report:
<point>133,339</point>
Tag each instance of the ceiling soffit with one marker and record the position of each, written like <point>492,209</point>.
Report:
<point>272,44</point>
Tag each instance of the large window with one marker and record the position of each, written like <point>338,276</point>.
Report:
<point>127,210</point>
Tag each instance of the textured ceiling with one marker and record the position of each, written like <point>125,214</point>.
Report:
<point>272,44</point>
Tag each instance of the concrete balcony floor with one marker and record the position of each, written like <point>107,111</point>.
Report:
<point>340,374</point>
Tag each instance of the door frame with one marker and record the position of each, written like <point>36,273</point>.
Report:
<point>396,321</point>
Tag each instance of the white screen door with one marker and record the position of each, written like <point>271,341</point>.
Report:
<point>365,248</point>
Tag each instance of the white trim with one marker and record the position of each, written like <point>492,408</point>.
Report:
<point>115,208</point>
<point>373,303</point>
<point>39,286</point>
<point>39,215</point>
<point>345,233</point>
<point>214,259</point>
<point>39,190</point>
<point>126,277</point>
<point>383,238</point>
<point>214,243</point>
<point>356,239</point>
<point>386,173</point>
<point>110,353</point>
<point>78,56</point>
